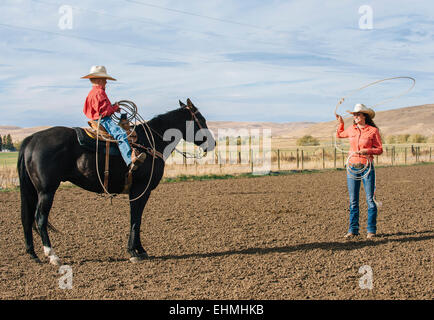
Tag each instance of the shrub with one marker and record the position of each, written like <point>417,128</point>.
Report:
<point>307,141</point>
<point>417,138</point>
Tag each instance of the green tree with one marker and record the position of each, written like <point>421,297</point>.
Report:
<point>1,143</point>
<point>402,138</point>
<point>307,141</point>
<point>417,138</point>
<point>17,145</point>
<point>390,139</point>
<point>7,143</point>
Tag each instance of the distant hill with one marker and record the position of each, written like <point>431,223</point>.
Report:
<point>277,129</point>
<point>418,119</point>
<point>17,133</point>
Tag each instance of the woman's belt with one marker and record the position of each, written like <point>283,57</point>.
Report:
<point>357,165</point>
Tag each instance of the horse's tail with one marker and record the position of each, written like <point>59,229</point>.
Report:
<point>29,195</point>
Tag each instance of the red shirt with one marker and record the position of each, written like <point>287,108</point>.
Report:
<point>98,104</point>
<point>365,138</point>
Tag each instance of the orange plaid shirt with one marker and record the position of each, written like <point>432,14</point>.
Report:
<point>365,138</point>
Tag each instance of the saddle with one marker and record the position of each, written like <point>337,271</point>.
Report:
<point>94,132</point>
<point>107,145</point>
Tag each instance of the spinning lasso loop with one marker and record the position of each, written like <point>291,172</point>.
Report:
<point>374,83</point>
<point>133,116</point>
<point>352,92</point>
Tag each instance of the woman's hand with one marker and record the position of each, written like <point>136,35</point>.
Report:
<point>363,151</point>
<point>338,117</point>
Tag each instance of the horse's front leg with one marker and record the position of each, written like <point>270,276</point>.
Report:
<point>135,247</point>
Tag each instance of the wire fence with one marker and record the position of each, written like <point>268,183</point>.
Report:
<point>237,160</point>
<point>234,160</point>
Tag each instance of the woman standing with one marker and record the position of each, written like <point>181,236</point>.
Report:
<point>365,141</point>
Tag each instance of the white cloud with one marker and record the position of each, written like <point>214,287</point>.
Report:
<point>265,61</point>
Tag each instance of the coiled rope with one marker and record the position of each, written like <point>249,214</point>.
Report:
<point>354,173</point>
<point>131,110</point>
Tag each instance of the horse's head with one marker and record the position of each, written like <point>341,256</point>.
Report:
<point>196,130</point>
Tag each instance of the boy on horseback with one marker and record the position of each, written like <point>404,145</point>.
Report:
<point>98,106</point>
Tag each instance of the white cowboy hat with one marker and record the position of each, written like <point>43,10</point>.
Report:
<point>98,72</point>
<point>360,107</point>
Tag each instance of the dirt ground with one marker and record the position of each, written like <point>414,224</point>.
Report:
<point>278,237</point>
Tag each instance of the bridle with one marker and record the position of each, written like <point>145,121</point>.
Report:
<point>193,116</point>
<point>196,120</point>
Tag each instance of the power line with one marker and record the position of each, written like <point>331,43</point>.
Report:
<point>150,21</point>
<point>110,42</point>
<point>198,15</point>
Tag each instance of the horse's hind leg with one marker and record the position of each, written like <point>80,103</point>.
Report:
<point>28,208</point>
<point>45,201</point>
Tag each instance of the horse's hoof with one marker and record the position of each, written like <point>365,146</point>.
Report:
<point>55,261</point>
<point>143,255</point>
<point>36,259</point>
<point>135,259</point>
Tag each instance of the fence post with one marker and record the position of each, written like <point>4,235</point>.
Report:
<point>334,158</point>
<point>302,162</point>
<point>298,159</point>
<point>184,159</point>
<point>228,152</point>
<point>251,159</point>
<point>278,159</point>
<point>195,159</point>
<point>323,159</point>
<point>405,155</point>
<point>429,154</point>
<point>343,159</point>
<point>392,155</point>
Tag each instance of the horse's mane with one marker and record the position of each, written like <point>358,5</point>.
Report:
<point>157,121</point>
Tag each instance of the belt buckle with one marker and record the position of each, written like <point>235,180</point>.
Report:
<point>357,165</point>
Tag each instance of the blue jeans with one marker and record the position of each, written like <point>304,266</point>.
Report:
<point>354,191</point>
<point>119,134</point>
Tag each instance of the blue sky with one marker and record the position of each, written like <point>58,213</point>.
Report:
<point>250,60</point>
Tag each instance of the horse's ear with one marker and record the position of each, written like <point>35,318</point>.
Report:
<point>190,104</point>
<point>182,104</point>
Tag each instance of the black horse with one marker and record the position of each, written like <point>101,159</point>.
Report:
<point>51,156</point>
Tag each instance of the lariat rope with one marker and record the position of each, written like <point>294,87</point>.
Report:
<point>132,115</point>
<point>354,173</point>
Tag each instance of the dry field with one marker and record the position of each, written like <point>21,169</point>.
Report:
<point>274,237</point>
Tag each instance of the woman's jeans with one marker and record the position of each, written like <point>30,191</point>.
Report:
<point>354,192</point>
<point>119,134</point>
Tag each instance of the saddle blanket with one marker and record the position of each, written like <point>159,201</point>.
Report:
<point>90,144</point>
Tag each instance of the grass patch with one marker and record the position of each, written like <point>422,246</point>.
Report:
<point>184,178</point>
<point>8,159</point>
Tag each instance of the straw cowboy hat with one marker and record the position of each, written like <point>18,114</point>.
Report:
<point>98,72</point>
<point>360,107</point>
